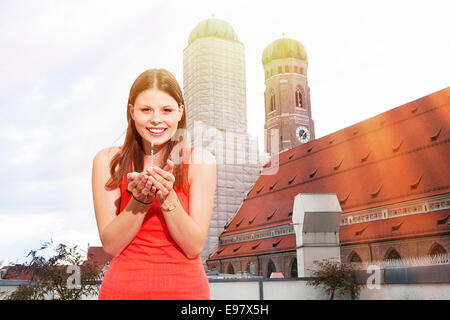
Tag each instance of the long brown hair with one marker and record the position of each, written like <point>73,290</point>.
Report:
<point>131,155</point>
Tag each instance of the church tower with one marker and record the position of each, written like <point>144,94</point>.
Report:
<point>286,97</point>
<point>216,109</point>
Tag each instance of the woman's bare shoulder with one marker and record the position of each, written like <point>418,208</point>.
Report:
<point>202,156</point>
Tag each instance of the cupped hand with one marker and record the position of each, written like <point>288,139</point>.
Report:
<point>163,180</point>
<point>140,186</point>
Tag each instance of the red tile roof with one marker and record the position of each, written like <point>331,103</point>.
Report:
<point>399,155</point>
<point>277,244</point>
<point>17,272</point>
<point>417,225</point>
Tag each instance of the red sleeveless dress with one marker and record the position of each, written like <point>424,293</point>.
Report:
<point>153,266</point>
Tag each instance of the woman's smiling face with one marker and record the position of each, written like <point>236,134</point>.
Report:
<point>156,115</point>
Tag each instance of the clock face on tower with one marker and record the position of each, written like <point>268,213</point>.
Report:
<point>302,134</point>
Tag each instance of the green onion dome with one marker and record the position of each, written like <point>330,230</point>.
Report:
<point>284,48</point>
<point>213,27</point>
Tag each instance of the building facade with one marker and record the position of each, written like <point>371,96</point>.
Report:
<point>390,174</point>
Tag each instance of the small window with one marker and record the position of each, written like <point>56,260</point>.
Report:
<point>376,193</point>
<point>365,157</point>
<point>314,173</point>
<point>272,102</point>
<point>392,255</point>
<point>256,245</point>
<point>291,180</point>
<point>270,268</point>
<point>239,223</point>
<point>274,244</point>
<point>294,273</point>
<point>443,221</point>
<point>360,232</point>
<point>273,213</point>
<point>298,98</point>
<point>396,227</point>
<point>338,165</point>
<point>437,250</point>
<point>436,135</point>
<point>355,258</point>
<point>416,183</point>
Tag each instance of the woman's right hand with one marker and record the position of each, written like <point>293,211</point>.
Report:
<point>141,187</point>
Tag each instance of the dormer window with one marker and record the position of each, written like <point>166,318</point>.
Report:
<point>273,213</point>
<point>436,135</point>
<point>291,180</point>
<point>274,244</point>
<point>314,173</point>
<point>256,245</point>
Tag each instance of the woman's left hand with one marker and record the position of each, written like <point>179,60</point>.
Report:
<point>163,180</point>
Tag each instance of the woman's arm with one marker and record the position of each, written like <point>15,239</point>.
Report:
<point>190,231</point>
<point>116,232</point>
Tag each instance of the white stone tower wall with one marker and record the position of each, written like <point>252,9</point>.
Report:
<point>216,110</point>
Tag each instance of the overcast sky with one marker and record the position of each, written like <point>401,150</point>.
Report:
<point>66,68</point>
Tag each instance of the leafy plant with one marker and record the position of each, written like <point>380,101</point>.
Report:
<point>64,276</point>
<point>335,277</point>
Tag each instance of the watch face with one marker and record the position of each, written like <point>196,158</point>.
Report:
<point>303,134</point>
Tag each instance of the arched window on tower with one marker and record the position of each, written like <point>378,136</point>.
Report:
<point>437,249</point>
<point>270,268</point>
<point>272,101</point>
<point>298,98</point>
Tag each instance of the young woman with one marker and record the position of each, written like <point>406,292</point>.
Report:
<point>153,199</point>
